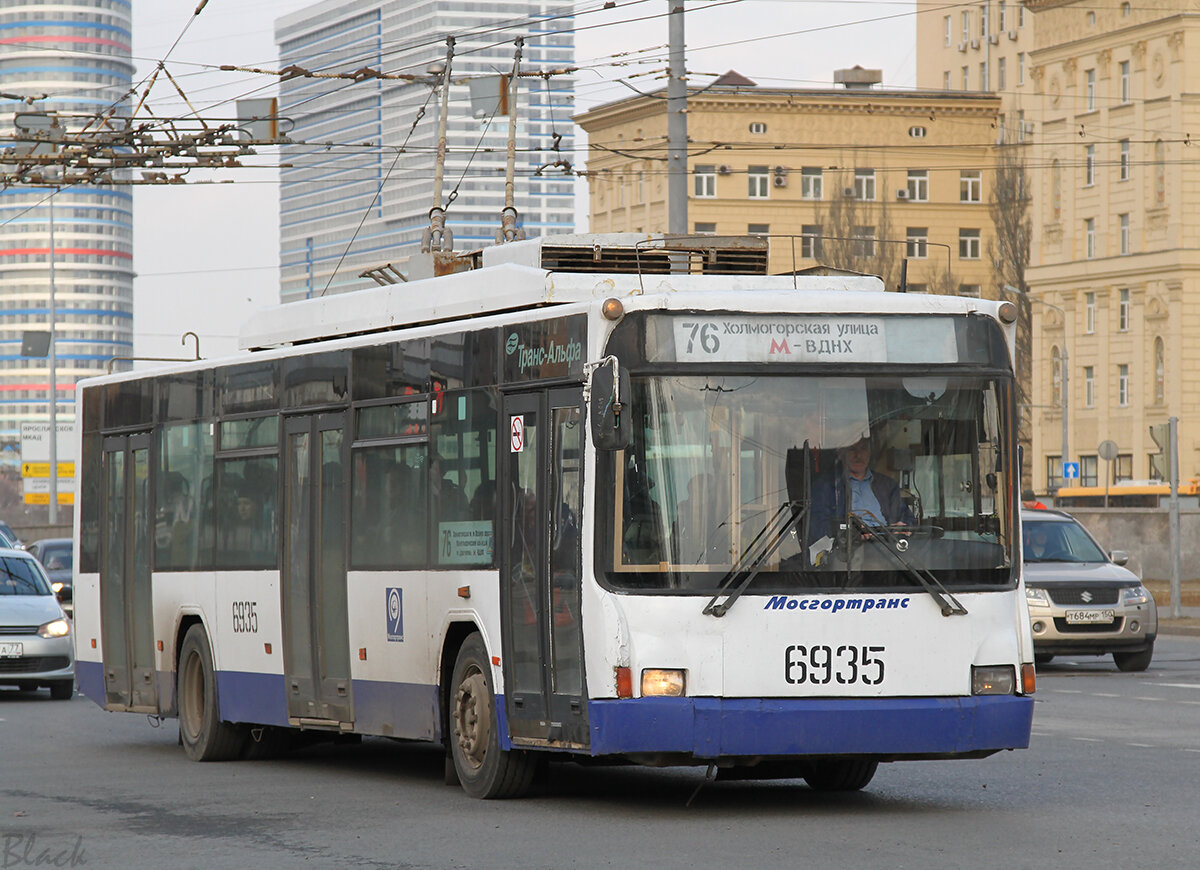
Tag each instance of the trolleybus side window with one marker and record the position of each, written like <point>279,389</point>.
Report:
<point>247,492</point>
<point>183,532</point>
<point>462,477</point>
<point>389,519</point>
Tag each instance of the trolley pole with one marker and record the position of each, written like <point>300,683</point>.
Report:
<point>677,193</point>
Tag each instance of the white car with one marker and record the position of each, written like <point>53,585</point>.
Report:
<point>36,647</point>
<point>1081,600</point>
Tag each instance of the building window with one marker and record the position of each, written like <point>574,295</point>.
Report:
<point>1089,165</point>
<point>1056,189</point>
<point>810,182</point>
<point>1123,166</point>
<point>966,25</point>
<point>1091,19</point>
<point>1003,17</point>
<point>975,291</point>
<point>759,184</point>
<point>864,241</point>
<point>864,184</point>
<point>968,244</point>
<point>983,20</point>
<point>1089,468</point>
<point>1053,470</point>
<point>1089,312</point>
<point>1089,89</point>
<point>918,243</point>
<point>1123,66</point>
<point>918,185</point>
<point>1055,377</point>
<point>984,82</point>
<point>1160,371</point>
<point>704,182</point>
<point>758,128</point>
<point>1021,15</point>
<point>966,78</point>
<point>705,229</point>
<point>1123,223</point>
<point>1126,10</point>
<point>949,29</point>
<point>946,80</point>
<point>810,241</point>
<point>1089,237</point>
<point>970,185</point>
<point>1089,386</point>
<point>1001,74</point>
<point>1021,63</point>
<point>1160,173</point>
<point>1123,311</point>
<point>758,229</point>
<point>1123,467</point>
<point>1123,385</point>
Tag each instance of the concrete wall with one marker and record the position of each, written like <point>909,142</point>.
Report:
<point>1144,533</point>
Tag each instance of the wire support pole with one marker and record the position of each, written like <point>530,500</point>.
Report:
<point>677,199</point>
<point>437,214</point>
<point>508,217</point>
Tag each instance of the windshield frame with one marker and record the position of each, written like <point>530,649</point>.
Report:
<point>1004,576</point>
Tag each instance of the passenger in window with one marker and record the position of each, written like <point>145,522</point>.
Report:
<point>874,497</point>
<point>450,501</point>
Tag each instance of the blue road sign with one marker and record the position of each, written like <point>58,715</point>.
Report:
<point>1070,471</point>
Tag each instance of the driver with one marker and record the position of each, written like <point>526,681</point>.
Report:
<point>874,497</point>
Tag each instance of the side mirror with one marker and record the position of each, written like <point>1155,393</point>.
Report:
<point>612,422</point>
<point>1119,557</point>
<point>62,591</point>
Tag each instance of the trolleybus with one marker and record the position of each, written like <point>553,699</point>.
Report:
<point>580,497</point>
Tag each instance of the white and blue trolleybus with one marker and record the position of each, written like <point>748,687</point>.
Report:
<point>621,498</point>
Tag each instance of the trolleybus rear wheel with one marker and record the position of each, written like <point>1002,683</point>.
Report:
<point>203,735</point>
<point>484,770</point>
<point>842,775</point>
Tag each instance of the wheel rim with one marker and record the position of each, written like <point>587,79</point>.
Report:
<point>472,718</point>
<point>191,697</point>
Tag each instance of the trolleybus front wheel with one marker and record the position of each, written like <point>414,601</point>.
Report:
<point>849,774</point>
<point>203,735</point>
<point>484,770</point>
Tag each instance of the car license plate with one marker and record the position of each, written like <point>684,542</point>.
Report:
<point>1075,617</point>
<point>10,650</point>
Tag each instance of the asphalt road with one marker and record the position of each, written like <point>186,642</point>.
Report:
<point>1110,781</point>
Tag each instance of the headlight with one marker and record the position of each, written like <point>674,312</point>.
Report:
<point>1033,595</point>
<point>993,680</point>
<point>54,628</point>
<point>663,681</point>
<point>1135,595</point>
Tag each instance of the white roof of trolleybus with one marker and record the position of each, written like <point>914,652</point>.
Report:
<point>510,280</point>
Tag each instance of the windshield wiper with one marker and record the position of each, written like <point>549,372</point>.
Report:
<point>950,606</point>
<point>755,555</point>
<point>798,471</point>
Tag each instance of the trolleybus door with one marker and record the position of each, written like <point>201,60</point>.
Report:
<point>542,473</point>
<point>313,582</point>
<point>126,604</point>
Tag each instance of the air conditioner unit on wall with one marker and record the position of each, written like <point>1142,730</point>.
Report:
<point>1012,34</point>
<point>848,192</point>
<point>994,39</point>
<point>974,43</point>
<point>962,46</point>
<point>724,170</point>
<point>780,181</point>
<point>902,193</point>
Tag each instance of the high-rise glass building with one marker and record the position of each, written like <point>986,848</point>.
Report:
<point>71,58</point>
<point>342,185</point>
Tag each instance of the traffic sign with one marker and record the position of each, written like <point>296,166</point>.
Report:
<point>1070,471</point>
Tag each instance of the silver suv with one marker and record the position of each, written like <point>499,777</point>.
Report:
<point>1081,601</point>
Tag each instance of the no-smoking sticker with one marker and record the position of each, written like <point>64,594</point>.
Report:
<point>516,435</point>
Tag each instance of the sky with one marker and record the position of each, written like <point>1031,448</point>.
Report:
<point>207,255</point>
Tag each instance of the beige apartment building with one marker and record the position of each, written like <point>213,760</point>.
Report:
<point>897,173</point>
<point>1108,96</point>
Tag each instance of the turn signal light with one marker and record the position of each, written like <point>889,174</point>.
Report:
<point>1028,679</point>
<point>624,682</point>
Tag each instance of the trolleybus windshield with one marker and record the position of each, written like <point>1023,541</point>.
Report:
<point>730,467</point>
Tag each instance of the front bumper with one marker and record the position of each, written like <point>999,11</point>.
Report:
<point>1132,629</point>
<point>703,729</point>
<point>42,660</point>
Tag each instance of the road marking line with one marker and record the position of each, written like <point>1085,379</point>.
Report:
<point>1104,695</point>
<point>1141,745</point>
<point>1068,691</point>
<point>1189,702</point>
<point>1087,739</point>
<point>1180,685</point>
<point>1191,750</point>
<point>1145,698</point>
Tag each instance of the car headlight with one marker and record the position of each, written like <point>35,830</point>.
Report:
<point>1040,597</point>
<point>54,628</point>
<point>1136,595</point>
